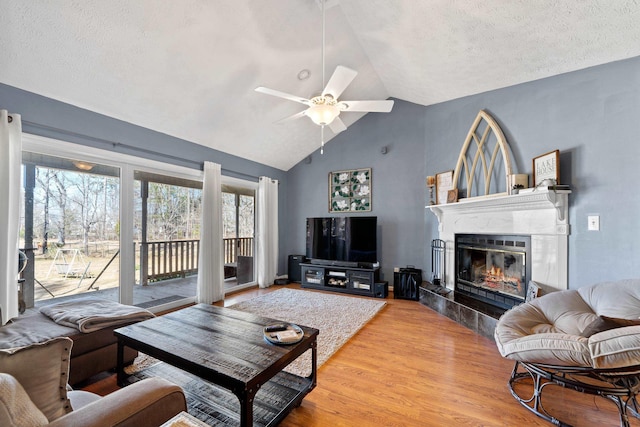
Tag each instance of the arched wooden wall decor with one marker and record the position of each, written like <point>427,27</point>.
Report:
<point>485,155</point>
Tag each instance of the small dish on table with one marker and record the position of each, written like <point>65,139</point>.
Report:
<point>283,333</point>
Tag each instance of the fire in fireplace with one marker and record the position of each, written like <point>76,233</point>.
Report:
<point>493,269</point>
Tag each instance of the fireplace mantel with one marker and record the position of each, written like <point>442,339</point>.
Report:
<point>535,200</point>
<point>542,214</point>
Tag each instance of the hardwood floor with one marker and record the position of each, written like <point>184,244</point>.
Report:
<point>411,366</point>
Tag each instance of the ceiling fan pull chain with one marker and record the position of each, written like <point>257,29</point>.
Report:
<point>322,139</point>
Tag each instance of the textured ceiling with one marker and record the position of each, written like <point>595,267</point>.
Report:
<point>188,67</point>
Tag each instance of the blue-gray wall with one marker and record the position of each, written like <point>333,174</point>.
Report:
<point>398,188</point>
<point>50,118</point>
<point>592,116</point>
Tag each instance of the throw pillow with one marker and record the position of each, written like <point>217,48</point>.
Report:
<point>42,369</point>
<point>16,409</point>
<point>604,323</point>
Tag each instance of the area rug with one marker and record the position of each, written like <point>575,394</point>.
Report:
<point>337,317</point>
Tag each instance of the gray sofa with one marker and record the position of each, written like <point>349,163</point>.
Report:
<point>92,352</point>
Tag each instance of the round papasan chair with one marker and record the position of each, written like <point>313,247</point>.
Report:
<point>586,339</point>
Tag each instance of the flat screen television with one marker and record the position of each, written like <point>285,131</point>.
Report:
<point>348,241</point>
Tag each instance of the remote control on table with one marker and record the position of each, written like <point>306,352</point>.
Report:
<point>276,328</point>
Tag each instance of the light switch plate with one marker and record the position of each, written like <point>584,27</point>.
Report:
<point>593,222</point>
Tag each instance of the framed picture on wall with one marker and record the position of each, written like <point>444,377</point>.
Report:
<point>444,183</point>
<point>350,190</point>
<point>546,166</point>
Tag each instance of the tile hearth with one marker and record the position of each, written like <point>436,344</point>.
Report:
<point>483,323</point>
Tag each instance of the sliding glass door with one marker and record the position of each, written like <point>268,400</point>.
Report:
<point>82,226</point>
<point>166,237</point>
<point>69,228</point>
<point>122,227</point>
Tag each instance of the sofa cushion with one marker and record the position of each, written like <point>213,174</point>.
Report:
<point>43,371</point>
<point>32,327</point>
<point>16,409</point>
<point>89,342</point>
<point>91,352</point>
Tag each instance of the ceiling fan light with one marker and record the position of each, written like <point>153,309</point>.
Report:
<point>323,114</point>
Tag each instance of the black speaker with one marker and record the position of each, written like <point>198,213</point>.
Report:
<point>381,289</point>
<point>406,283</point>
<point>294,272</point>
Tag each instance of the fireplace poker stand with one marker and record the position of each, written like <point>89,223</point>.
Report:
<point>438,263</point>
<point>620,385</point>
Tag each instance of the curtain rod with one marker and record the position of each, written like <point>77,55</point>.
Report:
<point>115,144</point>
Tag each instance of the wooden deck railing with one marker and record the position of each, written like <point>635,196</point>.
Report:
<point>233,248</point>
<point>179,258</point>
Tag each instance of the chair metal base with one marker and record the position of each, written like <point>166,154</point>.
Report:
<point>618,385</point>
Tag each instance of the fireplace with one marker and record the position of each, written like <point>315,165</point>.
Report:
<point>491,269</point>
<point>542,215</point>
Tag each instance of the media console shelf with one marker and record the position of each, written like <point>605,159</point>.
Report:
<point>351,280</point>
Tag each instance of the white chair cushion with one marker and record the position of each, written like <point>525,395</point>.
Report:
<point>548,348</point>
<point>619,299</point>
<point>566,311</point>
<point>615,348</point>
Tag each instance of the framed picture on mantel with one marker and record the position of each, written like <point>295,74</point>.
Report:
<point>546,166</point>
<point>444,183</point>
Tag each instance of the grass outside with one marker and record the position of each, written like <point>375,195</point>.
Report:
<point>67,271</point>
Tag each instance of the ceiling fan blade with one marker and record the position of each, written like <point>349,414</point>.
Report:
<point>337,126</point>
<point>367,106</point>
<point>292,117</point>
<point>284,95</point>
<point>339,81</point>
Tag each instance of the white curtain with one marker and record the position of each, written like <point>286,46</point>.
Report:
<point>210,260</point>
<point>267,233</point>
<point>10,160</point>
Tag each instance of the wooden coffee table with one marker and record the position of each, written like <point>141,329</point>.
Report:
<point>225,347</point>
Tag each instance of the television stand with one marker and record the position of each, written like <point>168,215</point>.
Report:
<point>350,280</point>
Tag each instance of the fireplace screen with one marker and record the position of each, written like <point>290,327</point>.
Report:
<point>493,267</point>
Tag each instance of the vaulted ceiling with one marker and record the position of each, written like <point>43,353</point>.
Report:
<point>188,68</point>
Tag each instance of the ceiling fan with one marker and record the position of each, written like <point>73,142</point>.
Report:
<point>325,108</point>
